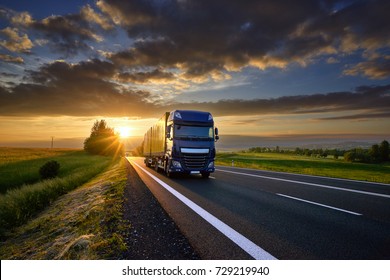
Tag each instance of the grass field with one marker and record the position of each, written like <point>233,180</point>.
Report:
<point>308,165</point>
<point>23,194</point>
<point>20,166</point>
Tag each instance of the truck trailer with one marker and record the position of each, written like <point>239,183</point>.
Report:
<point>182,141</point>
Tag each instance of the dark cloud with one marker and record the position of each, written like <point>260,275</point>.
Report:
<point>380,115</point>
<point>10,58</point>
<point>370,98</point>
<point>76,90</point>
<point>67,34</point>
<point>194,41</point>
<point>375,69</point>
<point>91,88</point>
<point>147,77</point>
<point>199,37</point>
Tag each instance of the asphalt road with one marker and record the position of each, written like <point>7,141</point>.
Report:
<point>245,214</point>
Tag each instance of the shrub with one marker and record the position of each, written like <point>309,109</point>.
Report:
<point>49,169</point>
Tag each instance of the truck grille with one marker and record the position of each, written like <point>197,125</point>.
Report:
<point>195,161</point>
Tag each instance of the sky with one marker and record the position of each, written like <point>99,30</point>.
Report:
<point>296,69</point>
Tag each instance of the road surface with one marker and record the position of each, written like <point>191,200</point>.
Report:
<point>251,214</point>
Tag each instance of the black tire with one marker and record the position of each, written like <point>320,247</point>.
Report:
<point>169,174</point>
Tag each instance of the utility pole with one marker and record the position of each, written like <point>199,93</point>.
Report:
<point>52,142</point>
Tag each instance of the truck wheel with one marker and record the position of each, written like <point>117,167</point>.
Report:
<point>156,167</point>
<point>206,175</point>
<point>167,172</point>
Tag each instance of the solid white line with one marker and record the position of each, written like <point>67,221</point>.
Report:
<point>244,243</point>
<point>319,204</point>
<point>306,183</point>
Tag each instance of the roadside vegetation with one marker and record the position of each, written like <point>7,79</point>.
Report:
<point>329,163</point>
<point>32,179</point>
<point>85,223</point>
<point>20,167</point>
<point>24,194</point>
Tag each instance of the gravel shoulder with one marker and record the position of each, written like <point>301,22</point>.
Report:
<point>152,234</point>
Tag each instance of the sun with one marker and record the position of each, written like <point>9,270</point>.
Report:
<point>124,131</point>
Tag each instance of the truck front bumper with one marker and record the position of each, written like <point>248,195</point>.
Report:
<point>177,166</point>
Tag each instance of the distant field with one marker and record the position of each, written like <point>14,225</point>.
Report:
<point>23,193</point>
<point>308,165</point>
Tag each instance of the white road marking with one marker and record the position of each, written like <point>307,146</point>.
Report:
<point>306,183</point>
<point>244,243</point>
<point>319,204</point>
<point>307,175</point>
<point>211,177</point>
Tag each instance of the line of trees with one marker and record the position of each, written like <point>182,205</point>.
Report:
<point>376,154</point>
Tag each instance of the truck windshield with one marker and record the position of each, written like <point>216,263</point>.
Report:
<point>194,132</point>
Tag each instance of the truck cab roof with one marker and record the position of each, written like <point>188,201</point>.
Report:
<point>190,116</point>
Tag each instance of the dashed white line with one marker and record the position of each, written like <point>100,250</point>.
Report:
<point>244,243</point>
<point>319,204</point>
<point>306,183</point>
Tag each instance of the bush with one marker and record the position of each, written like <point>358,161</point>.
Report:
<point>49,170</point>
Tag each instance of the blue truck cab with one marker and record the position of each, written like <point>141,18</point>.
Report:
<point>182,141</point>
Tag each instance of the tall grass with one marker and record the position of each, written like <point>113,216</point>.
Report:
<point>17,205</point>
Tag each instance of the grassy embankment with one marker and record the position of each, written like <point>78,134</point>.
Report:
<point>307,165</point>
<point>23,194</point>
<point>84,223</point>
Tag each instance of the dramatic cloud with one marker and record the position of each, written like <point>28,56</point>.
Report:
<point>375,69</point>
<point>203,37</point>
<point>179,44</point>
<point>91,88</point>
<point>75,90</point>
<point>12,59</point>
<point>14,41</point>
<point>90,15</point>
<point>147,77</point>
<point>67,34</point>
<point>374,100</point>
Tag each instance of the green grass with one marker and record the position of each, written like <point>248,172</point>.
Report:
<point>307,165</point>
<point>86,223</point>
<point>24,194</point>
<point>21,166</point>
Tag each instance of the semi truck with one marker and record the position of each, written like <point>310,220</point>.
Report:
<point>182,141</point>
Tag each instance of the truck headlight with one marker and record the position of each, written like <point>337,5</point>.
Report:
<point>176,164</point>
<point>211,164</point>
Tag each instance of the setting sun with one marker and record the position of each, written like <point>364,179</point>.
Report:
<point>124,131</point>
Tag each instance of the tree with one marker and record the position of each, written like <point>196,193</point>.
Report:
<point>103,141</point>
<point>384,150</point>
<point>374,153</point>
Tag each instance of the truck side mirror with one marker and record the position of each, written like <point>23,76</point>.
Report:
<point>216,134</point>
<point>168,135</point>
